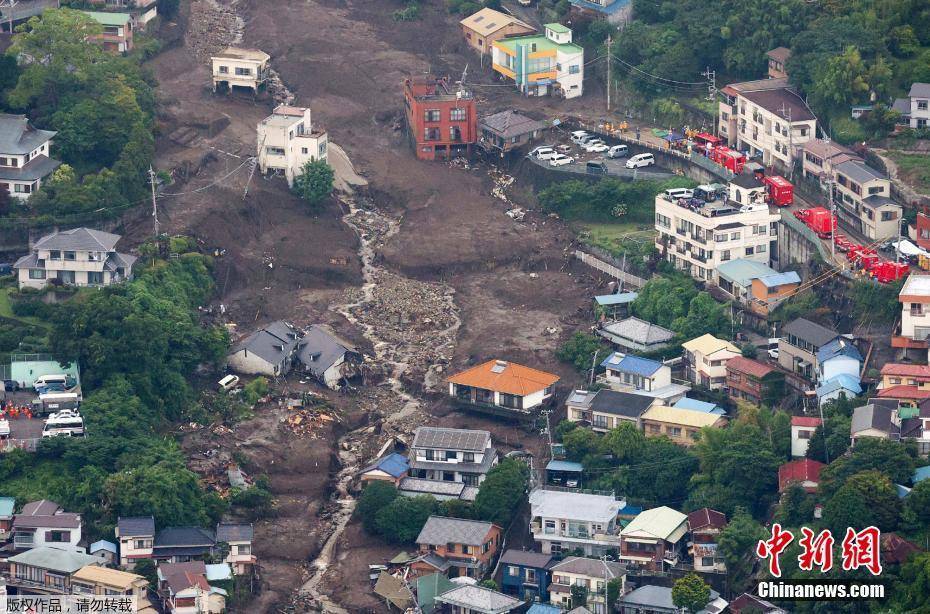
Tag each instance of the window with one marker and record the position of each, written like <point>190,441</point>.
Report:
<point>224,70</point>
<point>455,133</point>
<point>674,431</point>
<point>95,277</point>
<point>876,190</point>
<point>36,273</point>
<point>922,105</point>
<point>430,455</point>
<point>432,115</point>
<point>734,236</point>
<point>655,428</point>
<point>720,238</point>
<point>750,251</point>
<point>58,537</point>
<point>54,254</point>
<point>243,72</point>
<point>432,134</point>
<point>761,249</point>
<point>707,561</point>
<point>70,256</point>
<point>888,216</point>
<point>304,150</point>
<point>513,570</point>
<point>805,434</point>
<point>531,575</point>
<point>274,151</point>
<point>574,69</point>
<point>457,114</point>
<point>468,457</point>
<point>725,255</point>
<point>452,455</point>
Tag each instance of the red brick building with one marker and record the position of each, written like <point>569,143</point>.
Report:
<point>442,122</point>
<point>752,381</point>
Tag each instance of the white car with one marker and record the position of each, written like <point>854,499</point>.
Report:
<point>543,153</point>
<point>641,160</point>
<point>560,160</point>
<point>581,139</point>
<point>596,147</point>
<point>773,353</point>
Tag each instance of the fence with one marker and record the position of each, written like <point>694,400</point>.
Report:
<point>610,269</point>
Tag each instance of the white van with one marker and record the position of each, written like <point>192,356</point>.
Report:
<point>65,422</point>
<point>59,379</point>
<point>618,151</point>
<point>641,160</point>
<point>674,194</point>
<point>228,383</point>
<point>579,135</point>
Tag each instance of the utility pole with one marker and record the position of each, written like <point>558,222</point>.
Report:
<point>711,76</point>
<point>154,203</point>
<point>608,72</point>
<point>786,113</point>
<point>832,214</point>
<point>593,363</point>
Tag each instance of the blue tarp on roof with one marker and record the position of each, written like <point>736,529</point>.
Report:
<point>393,464</point>
<point>780,279</point>
<point>921,474</point>
<point>903,491</point>
<point>560,465</point>
<point>631,510</point>
<point>639,366</point>
<point>843,381</point>
<point>616,299</point>
<point>702,406</point>
<point>838,347</point>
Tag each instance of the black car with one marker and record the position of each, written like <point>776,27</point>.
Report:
<point>10,385</point>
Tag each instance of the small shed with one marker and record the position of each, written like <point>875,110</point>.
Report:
<point>564,473</point>
<point>104,549</point>
<point>614,306</point>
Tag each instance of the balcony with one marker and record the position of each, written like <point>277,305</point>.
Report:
<point>698,238</point>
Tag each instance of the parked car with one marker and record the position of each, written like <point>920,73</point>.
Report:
<point>543,153</point>
<point>583,141</point>
<point>579,135</point>
<point>773,353</point>
<point>563,149</point>
<point>641,160</point>
<point>618,151</point>
<point>10,385</point>
<point>596,147</point>
<point>560,160</point>
<point>596,167</point>
<point>674,194</point>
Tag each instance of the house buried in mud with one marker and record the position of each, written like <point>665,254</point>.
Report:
<point>331,360</point>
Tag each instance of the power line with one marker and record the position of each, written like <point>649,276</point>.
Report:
<point>701,84</point>
<point>208,186</point>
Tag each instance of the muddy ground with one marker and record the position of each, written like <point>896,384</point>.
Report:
<point>420,266</point>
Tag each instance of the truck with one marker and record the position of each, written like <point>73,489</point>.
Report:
<point>728,158</point>
<point>821,221</point>
<point>886,272</point>
<point>55,401</point>
<point>780,190</point>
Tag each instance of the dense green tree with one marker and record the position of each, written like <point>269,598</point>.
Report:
<point>867,498</point>
<point>579,350</point>
<point>376,496</point>
<point>579,595</point>
<point>501,492</point>
<point>580,442</point>
<point>690,593</point>
<point>892,458</point>
<point>737,543</point>
<point>705,315</point>
<point>796,507</point>
<point>910,590</point>
<point>917,503</point>
<point>315,182</point>
<point>663,300</point>
<point>403,518</point>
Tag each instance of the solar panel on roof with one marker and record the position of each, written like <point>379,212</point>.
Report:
<point>479,18</point>
<point>492,24</point>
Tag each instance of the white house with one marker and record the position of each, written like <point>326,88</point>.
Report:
<point>706,360</point>
<point>187,589</point>
<point>838,357</point>
<point>136,537</point>
<point>24,155</point>
<point>451,455</point>
<point>503,386</point>
<point>915,109</point>
<point>641,376</point>
<point>45,523</point>
<point>239,538</point>
<point>697,239</point>
<point>541,65</point>
<point>766,118</point>
<point>287,141</point>
<point>77,257</point>
<point>269,351</point>
<point>802,429</point>
<point>236,67</point>
<point>593,574</point>
<point>654,538</point>
<point>565,521</point>
<point>863,198</point>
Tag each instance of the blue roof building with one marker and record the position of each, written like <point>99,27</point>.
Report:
<point>702,406</point>
<point>920,474</point>
<point>616,299</point>
<point>838,347</point>
<point>561,473</point>
<point>525,575</point>
<point>643,367</point>
<point>392,467</point>
<point>7,504</point>
<point>544,608</point>
<point>780,279</point>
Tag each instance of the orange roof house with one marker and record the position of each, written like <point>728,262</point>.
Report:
<point>501,387</point>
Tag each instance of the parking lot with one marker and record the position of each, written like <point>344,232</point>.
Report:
<point>615,167</point>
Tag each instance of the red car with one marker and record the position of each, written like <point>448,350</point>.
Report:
<point>842,243</point>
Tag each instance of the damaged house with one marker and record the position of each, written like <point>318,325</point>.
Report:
<point>328,358</point>
<point>268,351</point>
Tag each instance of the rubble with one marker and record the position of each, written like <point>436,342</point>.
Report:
<point>214,25</point>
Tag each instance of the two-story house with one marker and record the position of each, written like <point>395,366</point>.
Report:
<point>705,526</point>
<point>239,539</point>
<point>642,376</point>
<point>502,387</point>
<point>237,67</point>
<point>606,409</point>
<point>141,11</point>
<point>635,335</point>
<point>182,544</point>
<point>45,523</point>
<point>885,419</point>
<point>136,537</point>
<point>819,159</point>
<point>451,455</point>
<point>98,580</point>
<point>566,521</point>
<point>753,381</point>
<point>683,426</point>
<point>541,65</point>
<point>76,257</point>
<point>46,571</point>
<point>525,574</point>
<point>705,359</point>
<point>24,156</point>
<point>767,118</point>
<point>697,236</point>
<point>287,141</point>
<point>593,574</point>
<point>798,345</point>
<point>481,29</point>
<point>465,547</point>
<point>270,351</point>
<point>908,383</point>
<point>653,539</point>
<point>863,198</point>
<point>915,109</point>
<point>839,363</point>
<point>117,30</point>
<point>802,430</point>
<point>915,315</point>
<point>778,60</point>
<point>184,589</point>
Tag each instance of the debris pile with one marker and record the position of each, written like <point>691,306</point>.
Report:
<point>305,422</point>
<point>276,88</point>
<point>214,25</point>
<point>502,181</point>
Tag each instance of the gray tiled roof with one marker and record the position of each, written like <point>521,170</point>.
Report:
<point>526,558</point>
<point>439,562</point>
<point>265,343</point>
<point>116,260</point>
<point>640,331</point>
<point>595,568</point>
<point>184,536</point>
<point>813,333</point>
<point>439,531</point>
<point>777,100</point>
<point>18,137</point>
<point>508,124</point>
<point>42,507</point>
<point>483,467</point>
<point>620,403</point>
<point>136,526</point>
<point>54,559</point>
<point>859,171</point>
<point>321,349</point>
<point>478,599</point>
<point>875,415</point>
<point>431,487</point>
<point>234,532</point>
<point>37,168</point>
<point>450,439</point>
<point>79,239</point>
<point>919,90</point>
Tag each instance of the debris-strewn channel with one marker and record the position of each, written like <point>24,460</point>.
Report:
<point>412,327</point>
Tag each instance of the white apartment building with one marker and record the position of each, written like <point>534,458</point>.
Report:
<point>24,155</point>
<point>541,65</point>
<point>915,109</point>
<point>235,67</point>
<point>766,118</point>
<point>287,141</point>
<point>706,360</point>
<point>451,455</point>
<point>564,521</point>
<point>696,239</point>
<point>77,257</point>
<point>863,198</point>
<point>915,314</point>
